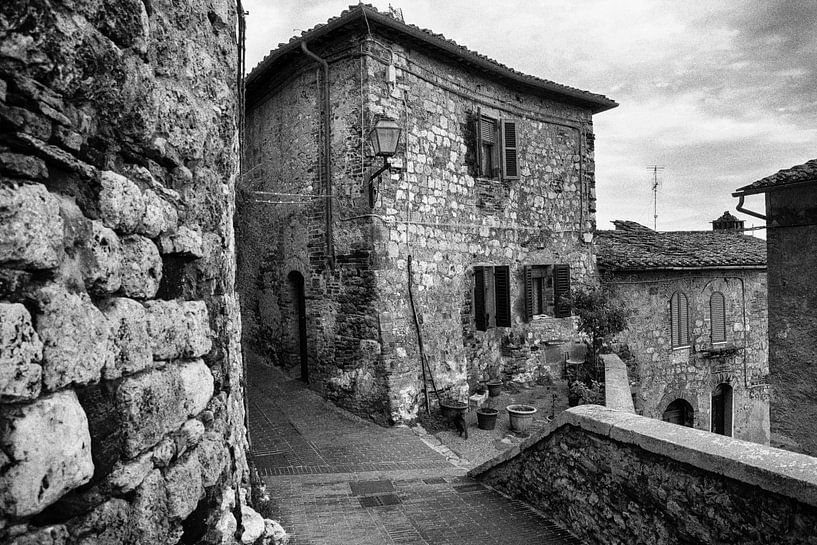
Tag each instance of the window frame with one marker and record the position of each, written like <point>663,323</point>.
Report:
<point>491,297</point>
<point>502,142</point>
<point>558,286</point>
<point>712,315</point>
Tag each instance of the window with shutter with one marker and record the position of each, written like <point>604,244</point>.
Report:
<point>561,287</point>
<point>529,293</point>
<point>479,299</point>
<point>717,317</point>
<point>510,163</point>
<point>502,296</point>
<point>679,320</point>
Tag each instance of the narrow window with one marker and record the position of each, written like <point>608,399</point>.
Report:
<point>679,320</point>
<point>510,158</point>
<point>717,317</point>
<point>480,318</point>
<point>544,286</point>
<point>502,296</point>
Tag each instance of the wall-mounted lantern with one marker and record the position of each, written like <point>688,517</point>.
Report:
<point>384,138</point>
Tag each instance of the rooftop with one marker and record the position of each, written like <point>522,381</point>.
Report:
<point>367,17</point>
<point>634,247</point>
<point>799,174</point>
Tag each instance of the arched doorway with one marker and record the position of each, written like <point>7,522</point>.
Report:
<point>679,412</point>
<point>722,410</point>
<point>298,300</point>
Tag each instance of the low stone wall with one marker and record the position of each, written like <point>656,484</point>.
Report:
<point>613,477</point>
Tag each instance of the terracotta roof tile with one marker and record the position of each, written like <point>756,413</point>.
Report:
<point>600,102</point>
<point>645,249</point>
<point>807,172</point>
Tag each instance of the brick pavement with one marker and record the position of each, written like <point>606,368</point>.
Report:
<point>337,479</point>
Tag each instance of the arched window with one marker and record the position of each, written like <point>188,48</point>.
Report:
<point>717,317</point>
<point>679,320</point>
<point>679,412</point>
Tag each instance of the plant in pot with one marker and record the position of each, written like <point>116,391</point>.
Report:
<point>494,385</point>
<point>487,415</point>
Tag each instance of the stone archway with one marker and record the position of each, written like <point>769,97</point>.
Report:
<point>679,412</point>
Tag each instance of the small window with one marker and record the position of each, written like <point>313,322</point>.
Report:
<point>496,147</point>
<point>492,297</point>
<point>679,320</point>
<point>717,317</point>
<point>545,285</point>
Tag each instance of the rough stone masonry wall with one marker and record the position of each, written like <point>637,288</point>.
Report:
<point>450,220</point>
<point>618,478</point>
<point>121,410</point>
<point>791,242</point>
<point>664,374</point>
<point>282,194</point>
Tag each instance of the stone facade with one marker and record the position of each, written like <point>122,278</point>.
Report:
<point>121,404</point>
<point>617,478</point>
<point>663,374</point>
<point>431,208</point>
<point>791,195</point>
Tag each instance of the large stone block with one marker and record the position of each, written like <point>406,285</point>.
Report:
<point>184,486</point>
<point>156,402</point>
<point>49,453</point>
<point>102,260</point>
<point>160,216</point>
<point>184,241</point>
<point>178,329</point>
<point>121,202</point>
<point>149,520</point>
<point>213,457</point>
<point>31,229</point>
<point>141,267</point>
<point>20,353</point>
<point>76,338</point>
<point>131,342</point>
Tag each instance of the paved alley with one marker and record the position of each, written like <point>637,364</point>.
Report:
<point>337,479</point>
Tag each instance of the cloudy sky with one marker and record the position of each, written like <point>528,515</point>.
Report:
<point>718,93</point>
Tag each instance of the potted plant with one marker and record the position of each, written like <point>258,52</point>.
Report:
<point>486,416</point>
<point>494,385</point>
<point>451,407</point>
<point>521,417</point>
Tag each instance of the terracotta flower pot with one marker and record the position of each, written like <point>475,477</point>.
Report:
<point>521,417</point>
<point>486,418</point>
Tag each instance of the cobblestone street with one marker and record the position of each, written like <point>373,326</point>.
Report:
<point>337,479</point>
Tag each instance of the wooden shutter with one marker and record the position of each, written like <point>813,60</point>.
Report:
<point>479,298</point>
<point>528,285</point>
<point>502,296</point>
<point>510,160</point>
<point>561,286</point>
<point>717,317</point>
<point>478,141</point>
<point>679,318</point>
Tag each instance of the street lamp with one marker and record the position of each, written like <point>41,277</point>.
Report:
<point>384,138</point>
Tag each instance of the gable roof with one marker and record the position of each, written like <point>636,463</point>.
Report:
<point>642,249</point>
<point>365,16</point>
<point>799,174</point>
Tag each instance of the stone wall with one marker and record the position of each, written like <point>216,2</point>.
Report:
<point>121,404</point>
<point>362,341</point>
<point>617,478</point>
<point>792,237</point>
<point>663,374</point>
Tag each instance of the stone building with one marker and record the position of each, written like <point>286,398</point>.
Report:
<point>121,405</point>
<point>697,339</point>
<point>791,222</point>
<point>485,217</point>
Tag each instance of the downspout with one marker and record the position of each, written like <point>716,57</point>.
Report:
<point>740,208</point>
<point>327,155</point>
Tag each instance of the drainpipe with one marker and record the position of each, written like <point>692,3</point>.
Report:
<point>740,208</point>
<point>327,155</point>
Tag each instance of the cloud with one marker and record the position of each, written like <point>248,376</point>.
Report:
<point>721,94</point>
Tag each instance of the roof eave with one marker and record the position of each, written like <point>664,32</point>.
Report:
<point>595,103</point>
<point>749,190</point>
<point>754,267</point>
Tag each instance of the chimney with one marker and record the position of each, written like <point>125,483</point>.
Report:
<point>728,223</point>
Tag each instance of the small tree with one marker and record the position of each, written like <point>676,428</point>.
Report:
<point>600,315</point>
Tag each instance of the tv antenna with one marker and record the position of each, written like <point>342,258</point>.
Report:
<point>655,169</point>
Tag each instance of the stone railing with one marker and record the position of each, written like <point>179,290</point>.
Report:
<point>614,477</point>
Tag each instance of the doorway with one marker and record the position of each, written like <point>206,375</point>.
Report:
<point>679,412</point>
<point>298,298</point>
<point>722,410</point>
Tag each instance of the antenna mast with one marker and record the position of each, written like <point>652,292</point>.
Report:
<point>655,170</point>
